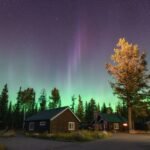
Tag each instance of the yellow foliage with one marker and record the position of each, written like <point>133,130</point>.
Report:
<point>127,67</point>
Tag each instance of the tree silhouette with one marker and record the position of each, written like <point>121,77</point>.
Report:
<point>55,100</point>
<point>90,109</point>
<point>9,117</point>
<point>80,109</point>
<point>4,105</point>
<point>42,100</point>
<point>73,103</point>
<point>27,99</point>
<point>104,108</point>
<point>18,118</point>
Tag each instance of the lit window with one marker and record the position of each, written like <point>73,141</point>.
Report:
<point>71,126</point>
<point>31,126</point>
<point>125,124</point>
<point>116,126</point>
<point>42,123</point>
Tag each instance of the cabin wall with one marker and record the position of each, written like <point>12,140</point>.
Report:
<point>110,127</point>
<point>60,123</point>
<point>37,126</point>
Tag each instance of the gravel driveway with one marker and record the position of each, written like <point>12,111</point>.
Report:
<point>117,142</point>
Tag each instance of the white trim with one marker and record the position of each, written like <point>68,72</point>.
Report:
<point>31,126</point>
<point>71,126</point>
<point>62,112</point>
<point>42,123</point>
<point>58,114</point>
<point>116,126</point>
<point>74,115</point>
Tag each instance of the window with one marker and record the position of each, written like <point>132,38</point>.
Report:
<point>31,126</point>
<point>116,126</point>
<point>71,126</point>
<point>42,123</point>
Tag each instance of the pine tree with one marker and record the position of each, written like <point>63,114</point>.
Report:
<point>28,99</point>
<point>17,123</point>
<point>104,108</point>
<point>131,76</point>
<point>90,109</point>
<point>109,109</point>
<point>28,102</point>
<point>86,116</point>
<point>98,107</point>
<point>80,109</point>
<point>55,100</point>
<point>73,103</point>
<point>42,100</point>
<point>4,105</point>
<point>9,116</point>
<point>121,109</point>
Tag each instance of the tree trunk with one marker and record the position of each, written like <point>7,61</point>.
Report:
<point>24,118</point>
<point>130,118</point>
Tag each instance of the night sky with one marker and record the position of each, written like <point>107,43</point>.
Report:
<point>66,44</point>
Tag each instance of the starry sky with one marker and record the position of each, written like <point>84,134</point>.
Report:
<point>66,44</point>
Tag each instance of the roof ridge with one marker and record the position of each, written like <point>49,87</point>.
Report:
<point>58,108</point>
<point>49,113</point>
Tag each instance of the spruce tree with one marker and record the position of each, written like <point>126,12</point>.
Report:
<point>104,108</point>
<point>73,103</point>
<point>80,109</point>
<point>17,111</point>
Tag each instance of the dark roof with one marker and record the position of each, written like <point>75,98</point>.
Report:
<point>47,114</point>
<point>113,118</point>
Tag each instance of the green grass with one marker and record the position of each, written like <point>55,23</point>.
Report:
<point>80,136</point>
<point>2,147</point>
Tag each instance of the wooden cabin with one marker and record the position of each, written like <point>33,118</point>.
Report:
<point>109,122</point>
<point>54,120</point>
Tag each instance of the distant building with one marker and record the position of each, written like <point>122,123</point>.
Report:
<point>147,125</point>
<point>104,121</point>
<point>54,120</point>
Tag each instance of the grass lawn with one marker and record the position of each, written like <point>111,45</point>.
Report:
<point>2,147</point>
<point>9,133</point>
<point>82,135</point>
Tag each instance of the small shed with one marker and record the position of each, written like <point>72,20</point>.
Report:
<point>54,120</point>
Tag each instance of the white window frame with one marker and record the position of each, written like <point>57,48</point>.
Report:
<point>42,123</point>
<point>116,126</point>
<point>71,126</point>
<point>31,126</point>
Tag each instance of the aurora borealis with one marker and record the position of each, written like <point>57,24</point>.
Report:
<point>66,44</point>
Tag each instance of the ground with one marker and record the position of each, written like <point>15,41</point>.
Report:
<point>116,142</point>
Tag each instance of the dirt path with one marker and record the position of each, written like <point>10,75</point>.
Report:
<point>117,142</point>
